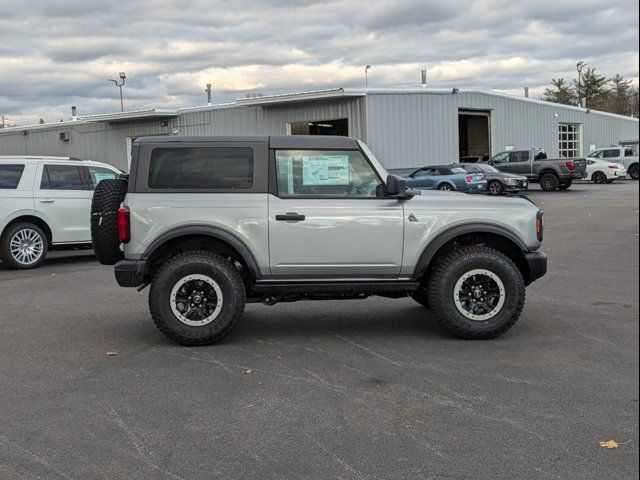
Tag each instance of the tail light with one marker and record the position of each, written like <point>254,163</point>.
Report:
<point>614,167</point>
<point>571,166</point>
<point>124,225</point>
<point>474,178</point>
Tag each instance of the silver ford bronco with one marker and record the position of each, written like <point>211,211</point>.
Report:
<point>211,223</point>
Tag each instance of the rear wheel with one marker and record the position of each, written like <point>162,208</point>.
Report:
<point>496,188</point>
<point>445,187</point>
<point>23,246</point>
<point>476,292</point>
<point>549,182</point>
<point>197,298</point>
<point>634,171</point>
<point>107,197</point>
<point>598,177</point>
<point>565,185</point>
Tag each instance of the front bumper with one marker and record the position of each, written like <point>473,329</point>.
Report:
<point>130,273</point>
<point>537,262</point>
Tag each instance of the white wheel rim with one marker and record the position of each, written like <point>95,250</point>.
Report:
<point>196,300</point>
<point>26,246</point>
<point>479,295</point>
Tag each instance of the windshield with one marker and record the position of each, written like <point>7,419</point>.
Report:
<point>451,170</point>
<point>483,167</point>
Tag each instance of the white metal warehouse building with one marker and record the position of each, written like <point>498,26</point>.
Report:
<point>405,127</point>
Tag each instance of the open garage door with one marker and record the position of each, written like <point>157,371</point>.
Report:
<point>474,135</point>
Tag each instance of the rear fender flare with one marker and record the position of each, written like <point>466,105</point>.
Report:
<point>207,231</point>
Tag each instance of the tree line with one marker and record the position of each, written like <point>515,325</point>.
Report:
<point>595,91</point>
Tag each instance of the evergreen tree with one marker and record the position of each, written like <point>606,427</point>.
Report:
<point>562,92</point>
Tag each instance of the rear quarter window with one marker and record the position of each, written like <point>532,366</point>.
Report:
<point>201,168</point>
<point>10,176</point>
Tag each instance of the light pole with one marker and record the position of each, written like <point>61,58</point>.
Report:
<point>119,85</point>
<point>579,66</point>
<point>366,75</point>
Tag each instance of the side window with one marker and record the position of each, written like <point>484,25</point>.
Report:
<point>425,172</point>
<point>518,157</point>
<point>97,174</point>
<point>610,153</point>
<point>201,168</point>
<point>10,176</point>
<point>61,177</point>
<point>596,154</point>
<point>310,173</point>
<point>500,158</point>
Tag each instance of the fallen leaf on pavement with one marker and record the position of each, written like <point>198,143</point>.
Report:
<point>248,371</point>
<point>111,354</point>
<point>611,444</point>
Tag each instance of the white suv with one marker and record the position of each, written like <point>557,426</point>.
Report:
<point>45,203</point>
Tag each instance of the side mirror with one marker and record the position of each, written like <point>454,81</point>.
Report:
<point>397,187</point>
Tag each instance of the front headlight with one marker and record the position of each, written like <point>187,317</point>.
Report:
<point>512,181</point>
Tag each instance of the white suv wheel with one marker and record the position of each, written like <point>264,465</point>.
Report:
<point>26,246</point>
<point>196,300</point>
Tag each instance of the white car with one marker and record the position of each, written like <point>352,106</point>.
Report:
<point>601,171</point>
<point>45,203</point>
<point>626,156</point>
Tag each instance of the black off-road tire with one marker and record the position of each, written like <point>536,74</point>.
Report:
<point>5,246</point>
<point>217,268</point>
<point>420,296</point>
<point>107,198</point>
<point>634,171</point>
<point>495,187</point>
<point>549,182</point>
<point>598,177</point>
<point>456,264</point>
<point>565,185</point>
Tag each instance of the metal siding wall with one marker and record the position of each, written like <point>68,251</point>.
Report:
<point>526,124</point>
<point>404,129</point>
<point>410,130</point>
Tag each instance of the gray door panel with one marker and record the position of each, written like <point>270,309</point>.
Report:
<point>335,238</point>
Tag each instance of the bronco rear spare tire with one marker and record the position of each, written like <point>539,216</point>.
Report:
<point>107,198</point>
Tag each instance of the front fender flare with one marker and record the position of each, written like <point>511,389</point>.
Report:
<point>451,233</point>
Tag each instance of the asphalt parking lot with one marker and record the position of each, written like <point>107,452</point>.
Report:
<point>353,390</point>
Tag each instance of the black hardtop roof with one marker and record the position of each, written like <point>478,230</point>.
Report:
<point>274,141</point>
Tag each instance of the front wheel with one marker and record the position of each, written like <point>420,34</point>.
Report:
<point>23,246</point>
<point>197,298</point>
<point>476,292</point>
<point>496,188</point>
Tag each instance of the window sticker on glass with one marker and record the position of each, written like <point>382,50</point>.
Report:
<point>325,170</point>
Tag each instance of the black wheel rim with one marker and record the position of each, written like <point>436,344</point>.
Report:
<point>196,300</point>
<point>479,295</point>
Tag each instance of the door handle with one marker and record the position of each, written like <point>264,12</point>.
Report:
<point>47,200</point>
<point>290,217</point>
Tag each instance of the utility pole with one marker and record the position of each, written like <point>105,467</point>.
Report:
<point>119,85</point>
<point>366,75</point>
<point>579,66</point>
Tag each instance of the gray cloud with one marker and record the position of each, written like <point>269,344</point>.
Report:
<point>57,54</point>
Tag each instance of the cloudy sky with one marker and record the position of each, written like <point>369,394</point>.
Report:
<point>54,54</point>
